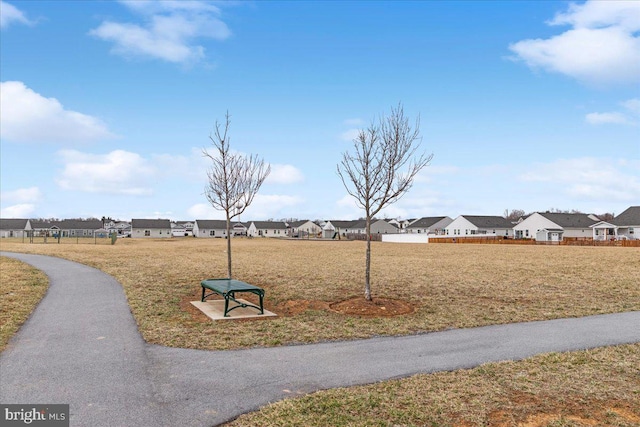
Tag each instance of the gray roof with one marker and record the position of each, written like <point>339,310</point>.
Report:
<point>345,224</point>
<point>78,224</point>
<point>272,225</point>
<point>426,222</point>
<point>212,224</point>
<point>151,223</point>
<point>295,224</point>
<point>629,217</point>
<point>569,220</point>
<point>13,223</point>
<point>38,224</point>
<point>488,221</point>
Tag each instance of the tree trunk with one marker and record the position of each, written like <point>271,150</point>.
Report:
<point>367,272</point>
<point>228,246</point>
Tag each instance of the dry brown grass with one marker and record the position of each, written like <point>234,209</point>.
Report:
<point>449,285</point>
<point>22,287</point>
<point>598,387</point>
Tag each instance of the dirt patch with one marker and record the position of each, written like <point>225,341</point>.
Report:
<point>583,414</point>
<point>378,307</point>
<point>296,306</point>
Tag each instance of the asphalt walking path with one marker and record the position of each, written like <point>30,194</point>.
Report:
<point>81,346</point>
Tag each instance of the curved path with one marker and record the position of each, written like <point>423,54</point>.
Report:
<point>81,346</point>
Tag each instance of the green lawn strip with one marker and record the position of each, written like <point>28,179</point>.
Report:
<point>22,289</point>
<point>592,387</point>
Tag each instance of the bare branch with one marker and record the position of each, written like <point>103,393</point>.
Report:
<point>382,167</point>
<point>233,179</point>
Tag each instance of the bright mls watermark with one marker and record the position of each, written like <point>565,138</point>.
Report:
<point>34,415</point>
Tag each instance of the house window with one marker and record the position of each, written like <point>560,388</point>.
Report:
<point>212,232</point>
<point>526,233</point>
<point>147,232</point>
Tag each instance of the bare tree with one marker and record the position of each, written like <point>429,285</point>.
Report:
<point>233,179</point>
<point>382,169</point>
<point>514,215</point>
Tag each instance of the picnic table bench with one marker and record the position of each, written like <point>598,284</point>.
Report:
<point>227,288</point>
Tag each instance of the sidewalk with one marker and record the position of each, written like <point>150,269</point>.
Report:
<point>81,346</point>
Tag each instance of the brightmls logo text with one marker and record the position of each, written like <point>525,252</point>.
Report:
<point>34,415</point>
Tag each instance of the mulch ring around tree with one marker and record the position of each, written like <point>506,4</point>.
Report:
<point>377,307</point>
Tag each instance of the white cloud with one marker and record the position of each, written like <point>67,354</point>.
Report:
<point>633,106</point>
<point>22,195</point>
<point>27,116</point>
<point>629,116</point>
<point>284,174</point>
<point>350,134</point>
<point>602,46</point>
<point>354,122</point>
<point>22,210</point>
<point>267,206</point>
<point>603,118</point>
<point>22,202</point>
<point>118,172</point>
<point>204,211</point>
<point>264,206</point>
<point>10,14</point>
<point>168,32</point>
<point>590,178</point>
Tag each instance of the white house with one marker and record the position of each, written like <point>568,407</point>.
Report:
<point>215,228</point>
<point>182,228</point>
<point>429,225</point>
<point>472,225</point>
<point>267,229</point>
<point>14,227</point>
<point>304,228</point>
<point>628,223</point>
<point>555,226</point>
<point>333,226</point>
<point>625,226</point>
<point>382,226</point>
<point>151,228</point>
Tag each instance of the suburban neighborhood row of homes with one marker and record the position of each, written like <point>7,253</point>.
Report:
<point>539,226</point>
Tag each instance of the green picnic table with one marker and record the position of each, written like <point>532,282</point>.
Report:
<point>227,288</point>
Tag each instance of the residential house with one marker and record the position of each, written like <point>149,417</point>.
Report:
<point>187,225</point>
<point>382,226</point>
<point>333,228</point>
<point>626,225</point>
<point>178,230</point>
<point>401,224</point>
<point>267,229</point>
<point>151,228</point>
<point>552,226</point>
<point>429,225</point>
<point>472,225</point>
<point>40,227</point>
<point>217,228</point>
<point>79,228</point>
<point>210,228</point>
<point>14,227</point>
<point>304,228</point>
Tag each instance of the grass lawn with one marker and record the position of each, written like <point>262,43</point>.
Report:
<point>448,286</point>
<point>22,288</point>
<point>598,387</point>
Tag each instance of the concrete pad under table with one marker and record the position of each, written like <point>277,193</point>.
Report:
<point>214,309</point>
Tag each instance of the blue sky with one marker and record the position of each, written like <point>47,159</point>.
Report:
<point>106,106</point>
